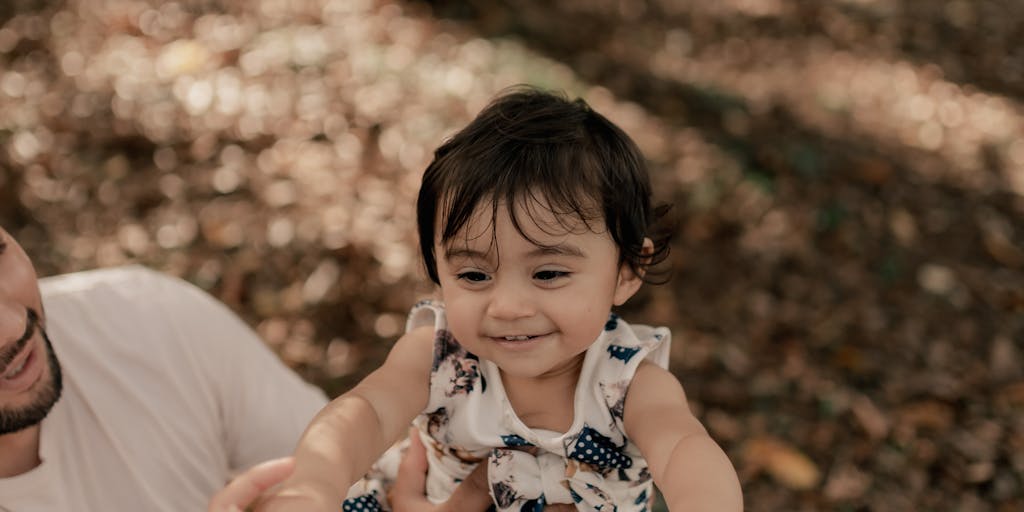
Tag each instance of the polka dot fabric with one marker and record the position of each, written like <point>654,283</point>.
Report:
<point>597,450</point>
<point>514,441</point>
<point>366,503</point>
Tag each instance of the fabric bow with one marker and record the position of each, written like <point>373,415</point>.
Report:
<point>525,480</point>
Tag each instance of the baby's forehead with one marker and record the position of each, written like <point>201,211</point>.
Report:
<point>533,221</point>
<point>489,248</point>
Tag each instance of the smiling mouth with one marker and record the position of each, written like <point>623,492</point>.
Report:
<point>518,338</point>
<point>16,370</point>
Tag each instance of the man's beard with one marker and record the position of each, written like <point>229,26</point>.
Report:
<point>13,420</point>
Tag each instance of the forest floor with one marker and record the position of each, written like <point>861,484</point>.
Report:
<point>847,298</point>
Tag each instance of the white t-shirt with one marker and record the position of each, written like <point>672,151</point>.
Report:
<point>166,394</point>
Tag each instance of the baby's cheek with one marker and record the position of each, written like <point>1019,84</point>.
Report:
<point>461,326</point>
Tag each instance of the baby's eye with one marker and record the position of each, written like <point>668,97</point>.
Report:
<point>549,275</point>
<point>472,276</point>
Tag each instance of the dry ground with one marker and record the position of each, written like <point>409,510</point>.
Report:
<point>848,179</point>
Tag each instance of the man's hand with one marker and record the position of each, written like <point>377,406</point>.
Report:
<point>259,487</point>
<point>247,487</point>
<point>409,492</point>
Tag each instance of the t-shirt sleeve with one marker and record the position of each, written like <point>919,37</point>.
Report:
<point>263,406</point>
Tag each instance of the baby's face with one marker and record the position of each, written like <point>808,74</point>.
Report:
<point>531,307</point>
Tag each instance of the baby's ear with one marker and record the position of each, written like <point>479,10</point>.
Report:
<point>629,281</point>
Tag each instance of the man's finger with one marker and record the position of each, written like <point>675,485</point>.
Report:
<point>409,491</point>
<point>408,494</point>
<point>248,486</point>
<point>414,462</point>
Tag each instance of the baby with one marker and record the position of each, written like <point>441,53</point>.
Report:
<point>534,221</point>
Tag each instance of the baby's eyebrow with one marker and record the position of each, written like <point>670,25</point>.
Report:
<point>463,252</point>
<point>540,250</point>
<point>557,250</point>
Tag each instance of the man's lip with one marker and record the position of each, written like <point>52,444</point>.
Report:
<point>19,358</point>
<point>28,375</point>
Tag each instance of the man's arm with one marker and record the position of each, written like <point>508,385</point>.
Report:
<point>348,435</point>
<point>690,469</point>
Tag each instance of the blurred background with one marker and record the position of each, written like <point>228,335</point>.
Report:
<point>848,181</point>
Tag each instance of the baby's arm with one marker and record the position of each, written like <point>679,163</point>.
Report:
<point>348,435</point>
<point>690,469</point>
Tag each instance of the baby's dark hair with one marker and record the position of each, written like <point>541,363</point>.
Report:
<point>532,145</point>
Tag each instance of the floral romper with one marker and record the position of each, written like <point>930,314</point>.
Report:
<point>469,420</point>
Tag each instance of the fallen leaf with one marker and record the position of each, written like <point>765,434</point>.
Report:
<point>870,418</point>
<point>784,462</point>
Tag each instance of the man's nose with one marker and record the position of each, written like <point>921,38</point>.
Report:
<point>13,318</point>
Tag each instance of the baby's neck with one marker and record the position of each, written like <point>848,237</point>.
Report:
<point>545,402</point>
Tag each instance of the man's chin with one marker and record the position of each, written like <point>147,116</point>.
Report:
<point>46,393</point>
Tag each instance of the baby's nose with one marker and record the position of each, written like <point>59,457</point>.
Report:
<point>510,303</point>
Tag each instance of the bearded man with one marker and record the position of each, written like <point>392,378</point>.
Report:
<point>125,389</point>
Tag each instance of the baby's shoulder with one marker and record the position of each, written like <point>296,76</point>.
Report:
<point>630,343</point>
<point>625,333</point>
